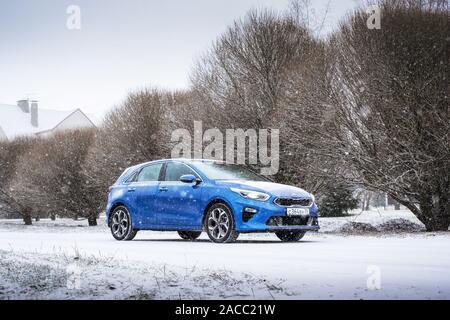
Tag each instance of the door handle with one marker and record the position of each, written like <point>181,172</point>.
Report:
<point>163,189</point>
<point>131,189</point>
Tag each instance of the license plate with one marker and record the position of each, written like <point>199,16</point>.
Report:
<point>297,212</point>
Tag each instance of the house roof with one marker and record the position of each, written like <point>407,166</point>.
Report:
<point>14,122</point>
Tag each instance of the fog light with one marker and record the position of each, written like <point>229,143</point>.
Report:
<point>248,213</point>
<point>313,221</point>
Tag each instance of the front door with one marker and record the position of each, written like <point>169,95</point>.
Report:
<point>178,202</point>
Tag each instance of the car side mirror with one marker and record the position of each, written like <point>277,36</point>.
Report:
<point>188,178</point>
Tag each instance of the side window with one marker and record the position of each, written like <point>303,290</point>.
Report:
<point>150,173</point>
<point>132,178</point>
<point>175,170</point>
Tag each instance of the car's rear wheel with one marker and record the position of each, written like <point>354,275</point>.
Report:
<point>120,224</point>
<point>220,225</point>
<point>189,235</point>
<point>290,236</point>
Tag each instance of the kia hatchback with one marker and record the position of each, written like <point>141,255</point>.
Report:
<point>192,196</point>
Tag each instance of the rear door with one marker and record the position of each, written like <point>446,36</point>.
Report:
<point>145,189</point>
<point>178,203</point>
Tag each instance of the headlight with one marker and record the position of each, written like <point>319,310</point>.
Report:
<point>252,195</point>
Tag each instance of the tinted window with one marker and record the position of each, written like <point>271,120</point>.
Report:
<point>132,178</point>
<point>175,170</point>
<point>150,173</point>
<point>223,171</point>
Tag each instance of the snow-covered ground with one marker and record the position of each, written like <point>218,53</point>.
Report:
<point>66,259</point>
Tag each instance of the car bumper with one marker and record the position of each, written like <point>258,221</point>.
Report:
<point>293,228</point>
<point>265,211</point>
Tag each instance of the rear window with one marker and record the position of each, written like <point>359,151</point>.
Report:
<point>125,174</point>
<point>149,173</point>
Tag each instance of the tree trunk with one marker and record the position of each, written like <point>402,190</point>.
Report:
<point>27,219</point>
<point>92,221</point>
<point>53,217</point>
<point>37,219</point>
<point>435,211</point>
<point>435,215</point>
<point>368,197</point>
<point>386,201</point>
<point>433,223</point>
<point>367,207</point>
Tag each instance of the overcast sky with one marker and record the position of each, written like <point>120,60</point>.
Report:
<point>122,45</point>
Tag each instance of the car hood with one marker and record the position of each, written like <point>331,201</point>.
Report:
<point>275,189</point>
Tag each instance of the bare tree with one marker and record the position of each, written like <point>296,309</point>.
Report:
<point>241,77</point>
<point>306,117</point>
<point>268,70</point>
<point>49,178</point>
<point>390,88</point>
<point>10,152</point>
<point>305,15</point>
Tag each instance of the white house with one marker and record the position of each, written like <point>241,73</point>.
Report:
<point>26,118</point>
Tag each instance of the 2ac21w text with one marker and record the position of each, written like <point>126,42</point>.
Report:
<point>238,309</point>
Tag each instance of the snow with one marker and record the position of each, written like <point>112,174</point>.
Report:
<point>15,122</point>
<point>374,217</point>
<point>324,265</point>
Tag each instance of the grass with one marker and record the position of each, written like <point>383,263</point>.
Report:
<point>54,276</point>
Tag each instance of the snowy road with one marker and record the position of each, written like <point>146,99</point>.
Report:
<point>320,266</point>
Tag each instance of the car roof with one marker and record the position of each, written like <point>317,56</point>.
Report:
<point>184,160</point>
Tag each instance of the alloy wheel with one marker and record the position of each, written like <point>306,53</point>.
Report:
<point>120,223</point>
<point>218,223</point>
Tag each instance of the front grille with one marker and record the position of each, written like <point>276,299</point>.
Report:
<point>288,202</point>
<point>287,221</point>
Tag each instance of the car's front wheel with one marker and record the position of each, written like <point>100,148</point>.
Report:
<point>290,236</point>
<point>120,224</point>
<point>189,235</point>
<point>219,224</point>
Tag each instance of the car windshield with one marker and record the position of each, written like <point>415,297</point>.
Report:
<point>223,171</point>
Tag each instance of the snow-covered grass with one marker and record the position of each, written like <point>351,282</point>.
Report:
<point>38,262</point>
<point>374,217</point>
<point>76,276</point>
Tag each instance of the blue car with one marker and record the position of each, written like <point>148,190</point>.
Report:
<point>192,196</point>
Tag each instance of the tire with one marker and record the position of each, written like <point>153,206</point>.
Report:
<point>220,225</point>
<point>290,236</point>
<point>120,224</point>
<point>189,235</point>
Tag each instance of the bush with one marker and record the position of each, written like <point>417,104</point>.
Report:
<point>10,153</point>
<point>400,225</point>
<point>357,227</point>
<point>48,179</point>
